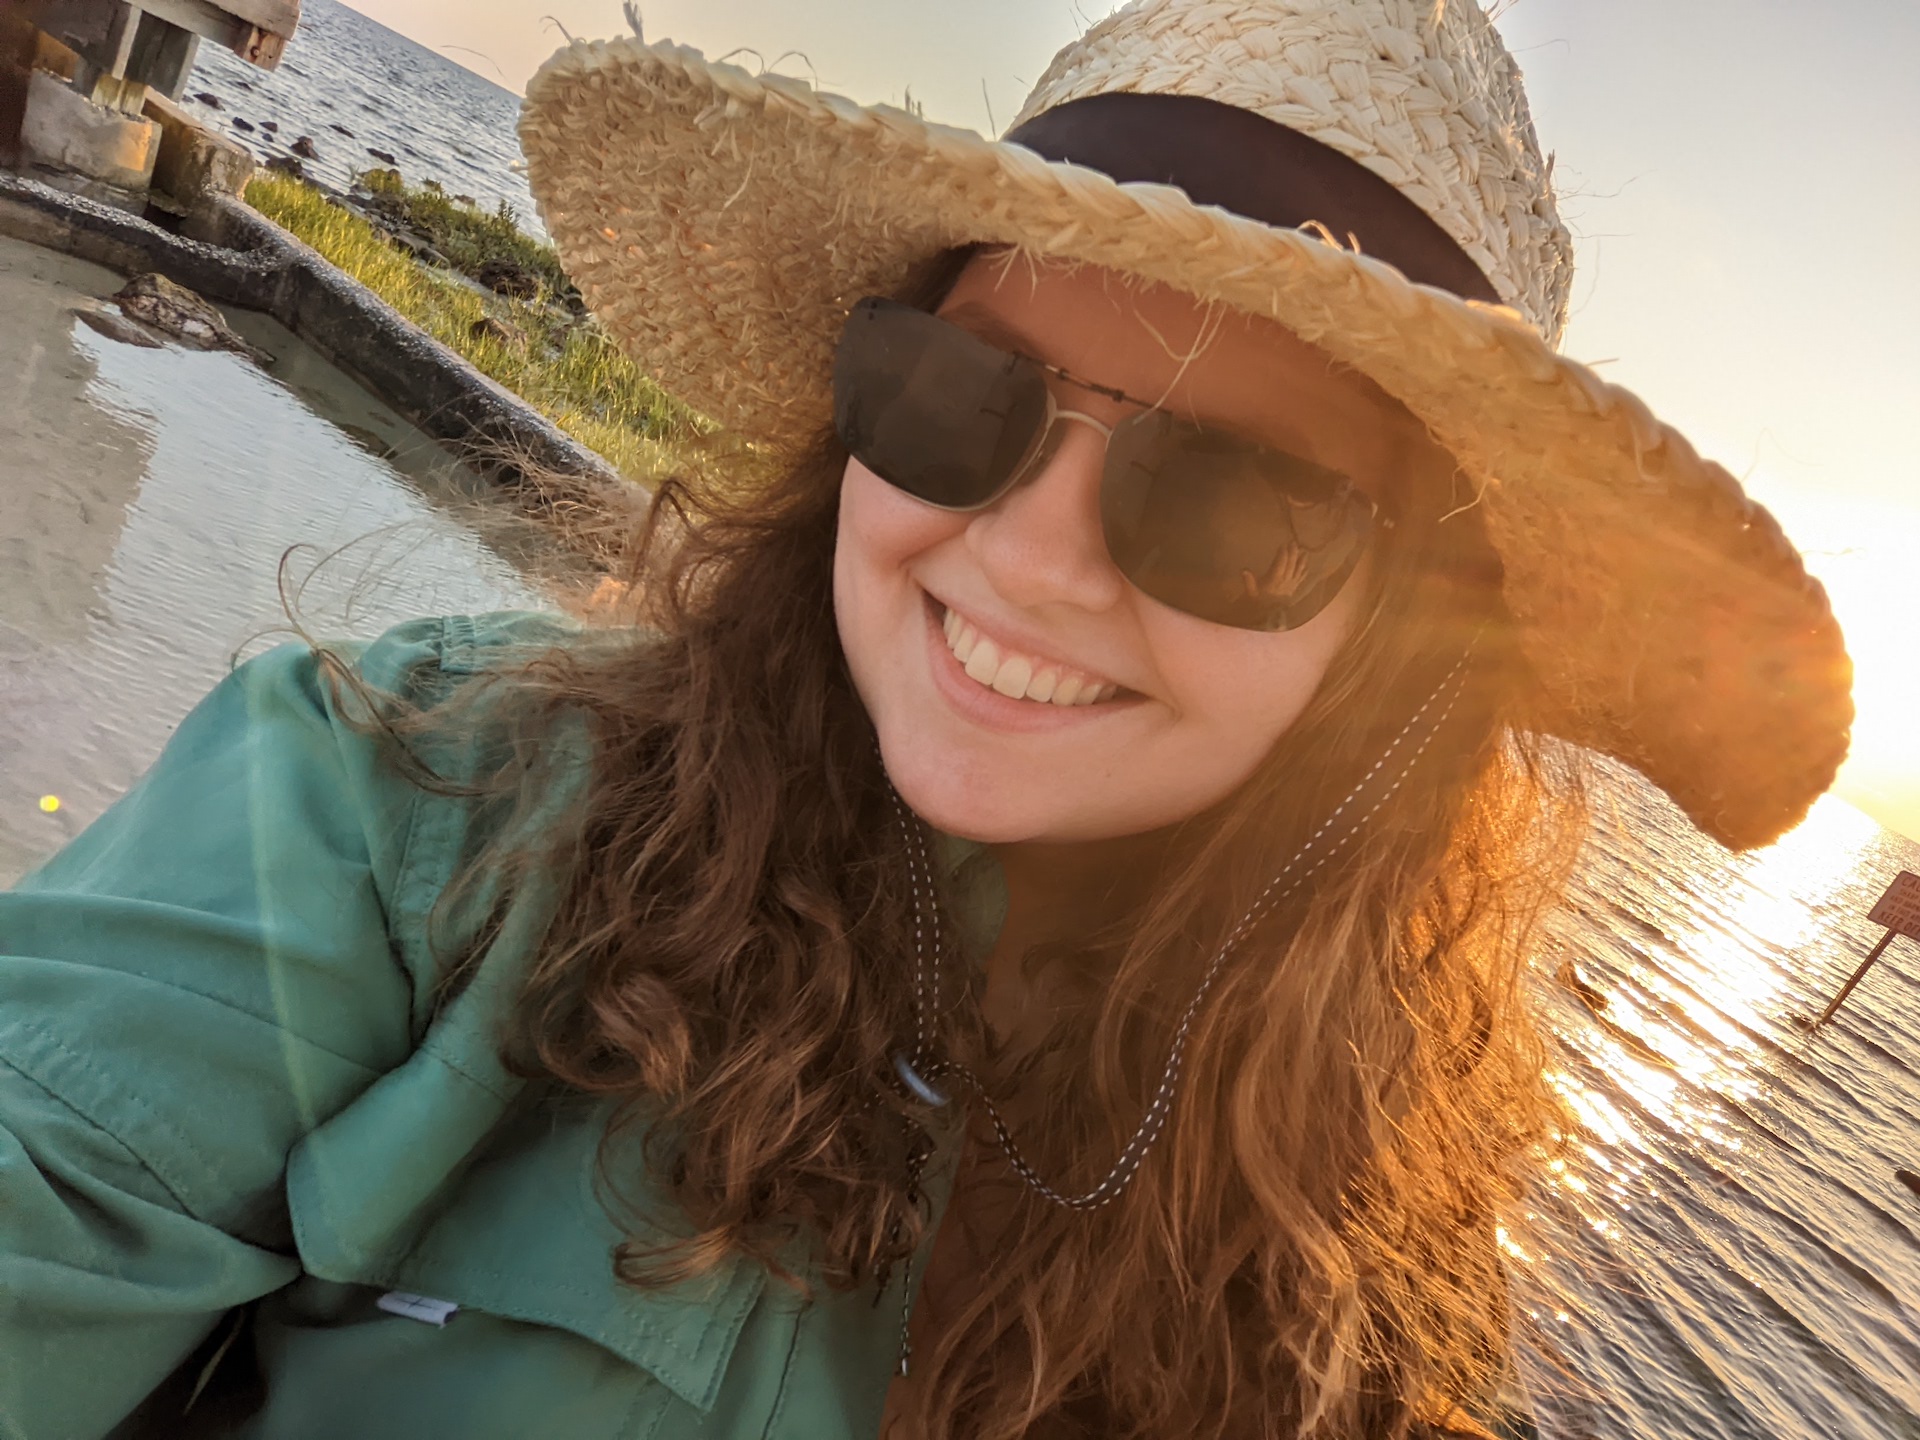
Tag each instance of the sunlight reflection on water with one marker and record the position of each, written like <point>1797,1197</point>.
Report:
<point>1725,1251</point>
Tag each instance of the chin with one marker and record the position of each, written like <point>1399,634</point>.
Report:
<point>952,802</point>
<point>998,808</point>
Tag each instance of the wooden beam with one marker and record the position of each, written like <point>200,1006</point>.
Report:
<point>255,30</point>
<point>276,17</point>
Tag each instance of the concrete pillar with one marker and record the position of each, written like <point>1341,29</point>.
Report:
<point>193,160</point>
<point>64,129</point>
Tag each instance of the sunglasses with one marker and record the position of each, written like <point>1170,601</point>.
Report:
<point>1200,519</point>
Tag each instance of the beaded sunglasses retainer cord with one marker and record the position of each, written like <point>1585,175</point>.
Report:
<point>919,1071</point>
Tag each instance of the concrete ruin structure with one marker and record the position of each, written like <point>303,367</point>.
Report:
<point>87,87</point>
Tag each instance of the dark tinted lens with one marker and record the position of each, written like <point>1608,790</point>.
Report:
<point>929,408</point>
<point>1225,529</point>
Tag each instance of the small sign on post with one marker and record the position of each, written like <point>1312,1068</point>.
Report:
<point>1899,908</point>
<point>1899,911</point>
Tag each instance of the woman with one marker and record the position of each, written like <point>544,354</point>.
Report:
<point>1024,938</point>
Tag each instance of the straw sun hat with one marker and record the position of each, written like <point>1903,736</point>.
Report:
<point>1364,172</point>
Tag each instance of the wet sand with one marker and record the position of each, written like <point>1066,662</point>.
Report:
<point>146,497</point>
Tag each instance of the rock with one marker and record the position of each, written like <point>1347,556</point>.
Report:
<point>118,327</point>
<point>269,125</point>
<point>504,277</point>
<point>419,246</point>
<point>178,312</point>
<point>489,327</point>
<point>466,200</point>
<point>336,125</point>
<point>411,241</point>
<point>212,102</point>
<point>304,148</point>
<point>246,126</point>
<point>288,165</point>
<point>373,444</point>
<point>382,156</point>
<point>433,185</point>
<point>194,161</point>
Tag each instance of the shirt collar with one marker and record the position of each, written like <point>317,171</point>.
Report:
<point>975,893</point>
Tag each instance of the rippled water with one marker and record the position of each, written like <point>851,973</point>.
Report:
<point>1728,1253</point>
<point>438,120</point>
<point>149,495</point>
<point>1739,1258</point>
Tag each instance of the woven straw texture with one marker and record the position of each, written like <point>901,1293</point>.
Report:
<point>722,224</point>
<point>1423,95</point>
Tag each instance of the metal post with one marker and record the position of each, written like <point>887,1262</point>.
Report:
<point>1853,980</point>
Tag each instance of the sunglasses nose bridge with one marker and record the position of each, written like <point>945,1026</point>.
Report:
<point>1047,442</point>
<point>1082,418</point>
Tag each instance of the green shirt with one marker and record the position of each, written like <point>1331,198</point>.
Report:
<point>223,1081</point>
<point>237,1134</point>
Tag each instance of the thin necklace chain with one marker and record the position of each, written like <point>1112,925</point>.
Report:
<point>922,1069</point>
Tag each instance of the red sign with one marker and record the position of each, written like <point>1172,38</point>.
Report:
<point>1899,908</point>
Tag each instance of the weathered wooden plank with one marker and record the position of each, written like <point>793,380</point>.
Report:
<point>226,21</point>
<point>276,17</point>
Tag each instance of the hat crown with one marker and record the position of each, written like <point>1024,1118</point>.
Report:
<point>1421,92</point>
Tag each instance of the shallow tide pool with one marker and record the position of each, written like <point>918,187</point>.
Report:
<point>146,499</point>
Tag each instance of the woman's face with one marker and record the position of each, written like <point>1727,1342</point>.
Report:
<point>1187,708</point>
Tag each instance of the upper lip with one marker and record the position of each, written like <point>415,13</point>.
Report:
<point>1011,638</point>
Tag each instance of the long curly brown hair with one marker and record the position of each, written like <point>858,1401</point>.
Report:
<point>1311,1248</point>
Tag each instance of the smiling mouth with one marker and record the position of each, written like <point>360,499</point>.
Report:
<point>1009,672</point>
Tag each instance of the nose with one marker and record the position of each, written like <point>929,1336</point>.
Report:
<point>1042,543</point>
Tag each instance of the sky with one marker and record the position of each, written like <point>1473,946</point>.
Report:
<point>1742,178</point>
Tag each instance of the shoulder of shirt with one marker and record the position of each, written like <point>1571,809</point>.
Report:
<point>468,644</point>
<point>424,660</point>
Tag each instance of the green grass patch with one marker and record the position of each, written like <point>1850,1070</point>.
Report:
<point>471,238</point>
<point>562,363</point>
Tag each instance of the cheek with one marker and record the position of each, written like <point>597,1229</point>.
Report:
<point>881,535</point>
<point>1238,692</point>
<point>881,527</point>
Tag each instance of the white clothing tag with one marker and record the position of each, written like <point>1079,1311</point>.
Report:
<point>417,1307</point>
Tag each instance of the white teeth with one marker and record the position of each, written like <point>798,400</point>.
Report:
<point>984,663</point>
<point>1015,672</point>
<point>1018,676</point>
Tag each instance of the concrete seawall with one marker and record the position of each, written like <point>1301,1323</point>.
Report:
<point>235,256</point>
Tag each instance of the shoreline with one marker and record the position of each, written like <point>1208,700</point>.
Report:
<point>496,296</point>
<point>233,255</point>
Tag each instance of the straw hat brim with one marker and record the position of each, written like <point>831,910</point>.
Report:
<point>721,224</point>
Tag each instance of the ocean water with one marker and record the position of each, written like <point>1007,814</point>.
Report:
<point>353,86</point>
<point>1727,1252</point>
<point>1733,1253</point>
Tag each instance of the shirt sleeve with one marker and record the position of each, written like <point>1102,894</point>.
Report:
<point>196,981</point>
